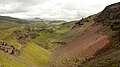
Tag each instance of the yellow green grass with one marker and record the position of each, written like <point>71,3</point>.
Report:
<point>32,55</point>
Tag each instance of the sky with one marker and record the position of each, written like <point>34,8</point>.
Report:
<point>53,9</point>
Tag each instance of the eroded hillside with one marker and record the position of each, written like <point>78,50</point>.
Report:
<point>97,46</point>
<point>93,41</point>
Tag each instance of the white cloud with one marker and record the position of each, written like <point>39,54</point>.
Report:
<point>52,9</point>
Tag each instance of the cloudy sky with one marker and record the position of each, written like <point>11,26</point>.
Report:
<point>52,9</point>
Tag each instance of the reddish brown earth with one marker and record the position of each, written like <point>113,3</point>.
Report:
<point>87,44</point>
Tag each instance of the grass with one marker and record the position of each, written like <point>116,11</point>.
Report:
<point>32,56</point>
<point>7,24</point>
<point>35,53</point>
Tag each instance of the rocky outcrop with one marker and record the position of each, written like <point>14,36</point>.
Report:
<point>7,47</point>
<point>110,54</point>
<point>85,20</point>
<point>110,16</point>
<point>110,13</point>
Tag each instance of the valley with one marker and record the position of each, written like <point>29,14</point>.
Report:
<point>93,41</point>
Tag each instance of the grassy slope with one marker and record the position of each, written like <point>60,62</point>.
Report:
<point>31,55</point>
<point>50,33</point>
<point>70,36</point>
<point>7,24</point>
<point>78,30</point>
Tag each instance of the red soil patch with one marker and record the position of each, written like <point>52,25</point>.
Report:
<point>95,46</point>
<point>89,43</point>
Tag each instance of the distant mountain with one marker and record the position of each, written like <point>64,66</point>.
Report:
<point>16,20</point>
<point>9,22</point>
<point>36,19</point>
<point>46,20</point>
<point>56,21</point>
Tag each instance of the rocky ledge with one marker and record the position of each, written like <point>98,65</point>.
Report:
<point>7,47</point>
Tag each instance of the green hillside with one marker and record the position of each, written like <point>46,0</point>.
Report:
<point>27,54</point>
<point>93,41</point>
<point>32,41</point>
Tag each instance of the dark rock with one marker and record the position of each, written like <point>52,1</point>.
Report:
<point>7,47</point>
<point>111,12</point>
<point>110,16</point>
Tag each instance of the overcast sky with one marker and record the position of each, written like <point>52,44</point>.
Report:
<point>52,9</point>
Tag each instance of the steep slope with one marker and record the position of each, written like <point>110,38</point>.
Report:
<point>83,39</point>
<point>26,53</point>
<point>95,37</point>
<point>89,40</point>
<point>110,54</point>
<point>32,56</point>
<point>16,46</point>
<point>32,42</point>
<point>78,28</point>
